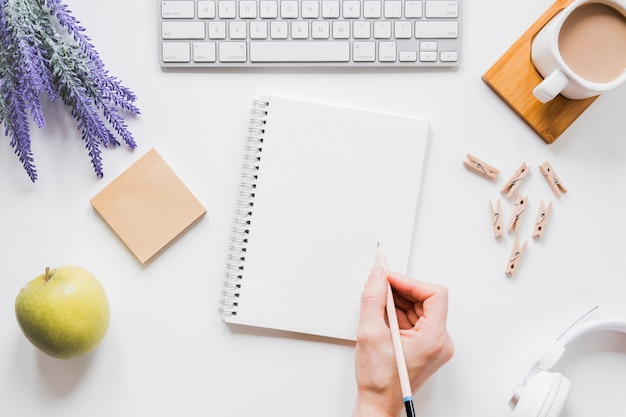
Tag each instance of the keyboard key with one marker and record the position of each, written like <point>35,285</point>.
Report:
<point>393,9</point>
<point>442,9</point>
<point>341,29</point>
<point>247,9</point>
<point>237,30</point>
<point>299,29</point>
<point>320,29</point>
<point>372,9</point>
<point>206,9</point>
<point>268,9</point>
<point>258,30</point>
<point>177,10</point>
<point>413,9</point>
<point>176,52</point>
<point>428,56</point>
<point>436,29</point>
<point>382,29</point>
<point>364,51</point>
<point>449,56</point>
<point>204,51</point>
<point>288,9</point>
<point>361,29</point>
<point>351,9</point>
<point>232,52</point>
<point>217,30</point>
<point>310,9</point>
<point>182,30</point>
<point>299,51</point>
<point>402,29</point>
<point>226,9</point>
<point>407,56</point>
<point>387,51</point>
<point>428,46</point>
<point>330,9</point>
<point>278,30</point>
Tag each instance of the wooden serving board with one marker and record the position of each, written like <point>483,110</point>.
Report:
<point>513,77</point>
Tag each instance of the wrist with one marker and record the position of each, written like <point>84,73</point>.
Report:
<point>374,407</point>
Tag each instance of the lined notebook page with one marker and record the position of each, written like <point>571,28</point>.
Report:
<point>331,183</point>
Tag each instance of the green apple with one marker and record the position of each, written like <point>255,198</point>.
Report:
<point>64,312</point>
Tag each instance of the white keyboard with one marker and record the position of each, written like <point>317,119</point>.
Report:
<point>356,33</point>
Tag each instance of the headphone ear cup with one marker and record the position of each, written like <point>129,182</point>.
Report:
<point>560,396</point>
<point>545,395</point>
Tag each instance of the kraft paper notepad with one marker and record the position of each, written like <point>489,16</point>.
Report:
<point>321,186</point>
<point>148,206</point>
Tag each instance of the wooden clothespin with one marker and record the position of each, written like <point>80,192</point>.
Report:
<point>521,202</point>
<point>496,219</point>
<point>481,167</point>
<point>514,258</point>
<point>552,179</point>
<point>516,180</point>
<point>542,219</point>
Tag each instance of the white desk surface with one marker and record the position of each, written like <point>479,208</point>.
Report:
<point>167,351</point>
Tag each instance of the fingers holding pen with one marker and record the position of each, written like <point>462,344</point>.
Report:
<point>419,303</point>
<point>421,308</point>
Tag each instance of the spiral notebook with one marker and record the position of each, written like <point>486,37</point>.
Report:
<point>321,186</point>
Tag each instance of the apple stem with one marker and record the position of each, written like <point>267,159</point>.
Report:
<point>47,273</point>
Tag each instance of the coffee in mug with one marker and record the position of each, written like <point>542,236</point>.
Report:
<point>581,52</point>
<point>592,42</point>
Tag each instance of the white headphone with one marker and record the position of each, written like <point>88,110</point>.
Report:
<point>543,393</point>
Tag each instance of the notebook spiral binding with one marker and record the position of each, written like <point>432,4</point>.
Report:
<point>243,211</point>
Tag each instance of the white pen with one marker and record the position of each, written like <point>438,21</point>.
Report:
<point>405,384</point>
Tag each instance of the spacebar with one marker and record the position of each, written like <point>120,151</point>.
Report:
<point>293,51</point>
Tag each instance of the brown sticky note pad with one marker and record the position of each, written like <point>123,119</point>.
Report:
<point>148,206</point>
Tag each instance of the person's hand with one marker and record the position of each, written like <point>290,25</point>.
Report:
<point>422,310</point>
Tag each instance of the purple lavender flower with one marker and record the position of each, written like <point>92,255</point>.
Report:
<point>37,58</point>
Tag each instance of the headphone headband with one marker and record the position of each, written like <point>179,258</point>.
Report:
<point>591,327</point>
<point>543,393</point>
<point>554,352</point>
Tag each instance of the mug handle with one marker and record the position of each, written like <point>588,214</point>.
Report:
<point>551,86</point>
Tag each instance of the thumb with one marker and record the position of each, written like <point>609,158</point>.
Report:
<point>374,298</point>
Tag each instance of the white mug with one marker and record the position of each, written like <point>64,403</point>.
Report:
<point>581,51</point>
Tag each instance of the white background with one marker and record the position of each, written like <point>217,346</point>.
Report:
<point>167,351</point>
